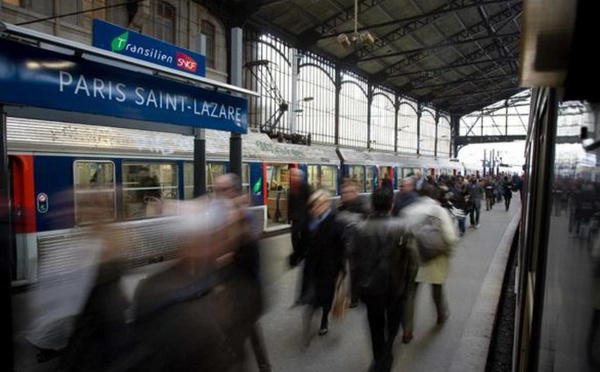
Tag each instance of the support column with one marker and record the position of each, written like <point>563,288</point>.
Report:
<point>235,141</point>
<point>419,114</point>
<point>369,103</point>
<point>455,129</point>
<point>199,163</point>
<point>484,161</point>
<point>200,142</point>
<point>338,91</point>
<point>294,100</point>
<point>396,112</point>
<point>6,249</point>
<point>435,140</point>
<point>506,118</point>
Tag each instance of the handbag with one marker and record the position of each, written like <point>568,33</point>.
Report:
<point>341,302</point>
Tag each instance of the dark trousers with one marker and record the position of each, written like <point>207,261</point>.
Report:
<point>296,234</point>
<point>474,215</point>
<point>384,317</point>
<point>507,202</point>
<point>461,224</point>
<point>260,350</point>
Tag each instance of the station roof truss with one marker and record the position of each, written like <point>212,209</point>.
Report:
<point>457,56</point>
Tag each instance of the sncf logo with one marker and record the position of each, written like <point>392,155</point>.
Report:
<point>186,62</point>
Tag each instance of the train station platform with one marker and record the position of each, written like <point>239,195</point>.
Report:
<point>461,344</point>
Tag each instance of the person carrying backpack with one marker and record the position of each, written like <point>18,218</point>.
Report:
<point>436,237</point>
<point>387,267</point>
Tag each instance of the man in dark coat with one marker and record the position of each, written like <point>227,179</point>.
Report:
<point>352,209</point>
<point>324,256</point>
<point>406,196</point>
<point>297,212</point>
<point>388,265</point>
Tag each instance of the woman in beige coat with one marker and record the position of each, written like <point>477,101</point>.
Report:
<point>434,271</point>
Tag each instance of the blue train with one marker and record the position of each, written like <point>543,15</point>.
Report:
<point>66,176</point>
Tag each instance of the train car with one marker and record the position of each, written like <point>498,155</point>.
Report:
<point>66,176</point>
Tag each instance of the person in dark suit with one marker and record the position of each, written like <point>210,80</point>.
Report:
<point>324,257</point>
<point>387,267</point>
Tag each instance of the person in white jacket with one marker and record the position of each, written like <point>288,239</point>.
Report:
<point>434,271</point>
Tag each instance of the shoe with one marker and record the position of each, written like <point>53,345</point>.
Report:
<point>323,331</point>
<point>442,319</point>
<point>407,337</point>
<point>477,226</point>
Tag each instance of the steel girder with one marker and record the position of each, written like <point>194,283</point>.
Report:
<point>412,24</point>
<point>467,34</point>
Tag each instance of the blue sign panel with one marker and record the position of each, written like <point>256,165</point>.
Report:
<point>31,76</point>
<point>132,44</point>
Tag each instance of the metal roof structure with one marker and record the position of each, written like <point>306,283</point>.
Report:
<point>458,56</point>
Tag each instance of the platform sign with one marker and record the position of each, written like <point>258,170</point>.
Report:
<point>132,44</point>
<point>31,76</point>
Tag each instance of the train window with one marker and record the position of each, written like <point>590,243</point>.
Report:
<point>188,181</point>
<point>357,174</point>
<point>329,179</point>
<point>213,170</point>
<point>278,176</point>
<point>95,192</point>
<point>145,186</point>
<point>246,179</point>
<point>370,176</point>
<point>313,176</point>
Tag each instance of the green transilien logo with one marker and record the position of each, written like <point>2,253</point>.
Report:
<point>257,186</point>
<point>120,42</point>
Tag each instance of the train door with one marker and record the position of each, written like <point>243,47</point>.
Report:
<point>370,178</point>
<point>278,184</point>
<point>386,176</point>
<point>22,199</point>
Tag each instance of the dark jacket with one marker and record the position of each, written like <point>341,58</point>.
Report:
<point>387,258</point>
<point>324,258</point>
<point>401,200</point>
<point>297,202</point>
<point>357,206</point>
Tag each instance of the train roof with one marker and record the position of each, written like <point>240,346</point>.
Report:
<point>59,137</point>
<point>354,156</point>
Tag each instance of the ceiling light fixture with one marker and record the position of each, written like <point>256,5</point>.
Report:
<point>356,39</point>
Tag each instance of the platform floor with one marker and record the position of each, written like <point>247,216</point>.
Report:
<point>457,345</point>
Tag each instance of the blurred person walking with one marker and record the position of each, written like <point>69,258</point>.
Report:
<point>387,266</point>
<point>247,256</point>
<point>297,215</point>
<point>324,259</point>
<point>198,314</point>
<point>352,209</point>
<point>427,211</point>
<point>406,196</point>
